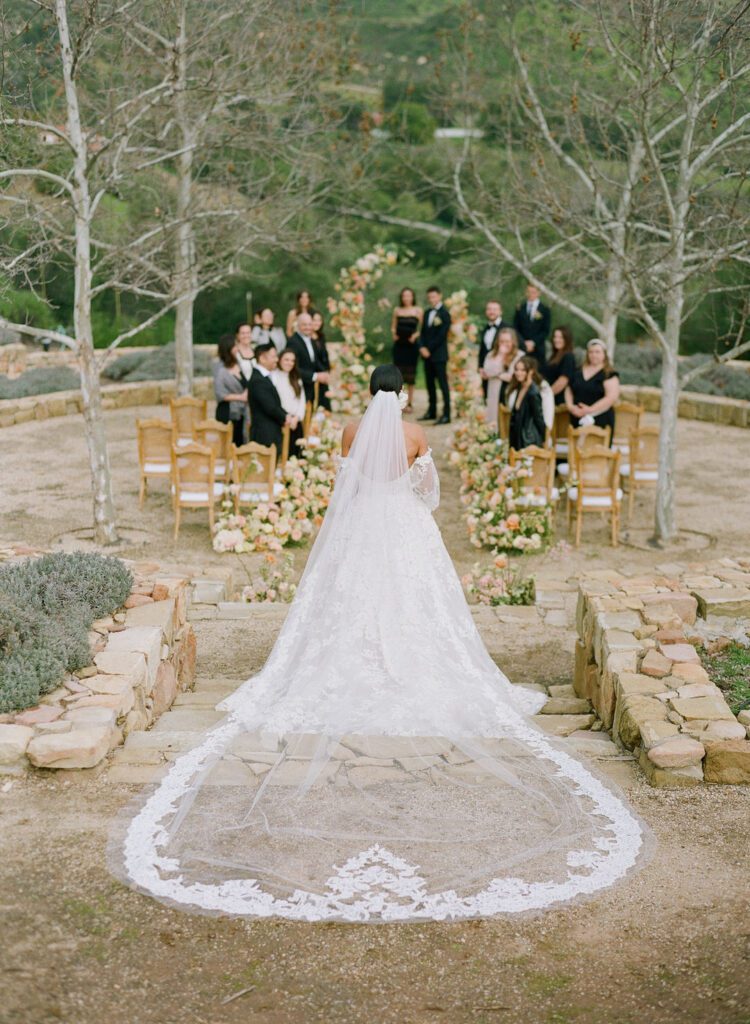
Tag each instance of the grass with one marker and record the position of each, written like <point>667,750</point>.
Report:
<point>729,668</point>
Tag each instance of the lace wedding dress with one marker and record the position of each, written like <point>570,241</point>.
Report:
<point>380,767</point>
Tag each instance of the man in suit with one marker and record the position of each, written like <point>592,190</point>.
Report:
<point>532,321</point>
<point>308,365</point>
<point>433,347</point>
<point>267,415</point>
<point>495,323</point>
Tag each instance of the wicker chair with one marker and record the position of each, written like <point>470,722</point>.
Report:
<point>254,470</point>
<point>542,480</point>
<point>627,418</point>
<point>596,489</point>
<point>155,441</point>
<point>186,413</point>
<point>193,481</point>
<point>218,437</point>
<point>641,466</point>
<point>583,439</point>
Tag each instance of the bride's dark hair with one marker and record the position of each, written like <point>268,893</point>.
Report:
<point>386,378</point>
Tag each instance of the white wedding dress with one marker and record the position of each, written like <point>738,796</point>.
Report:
<point>380,767</point>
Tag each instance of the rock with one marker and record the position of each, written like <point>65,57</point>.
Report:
<point>390,747</point>
<point>633,712</point>
<point>699,690</point>
<point>418,764</point>
<point>656,665</point>
<point>165,688</point>
<point>84,673</point>
<point>690,672</point>
<point>710,708</point>
<point>566,706</point>
<point>35,716</point>
<point>158,613</point>
<point>92,716</point>
<point>681,653</point>
<point>675,717</point>
<point>123,663</point>
<point>79,748</point>
<point>744,718</point>
<point>681,604</point>
<point>119,616</point>
<point>160,592</point>
<point>120,703</point>
<point>670,778</point>
<point>75,686</point>
<point>731,601</point>
<point>723,730</point>
<point>629,683</point>
<point>134,600</point>
<point>628,621</point>
<point>60,725</point>
<point>653,732</point>
<point>14,739</point>
<point>677,752</point>
<point>145,640</point>
<point>209,591</point>
<point>562,691</point>
<point>111,684</point>
<point>564,725</point>
<point>666,696</point>
<point>556,618</point>
<point>728,761</point>
<point>669,636</point>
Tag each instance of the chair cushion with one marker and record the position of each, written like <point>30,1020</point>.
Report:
<point>182,441</point>
<point>157,467</point>
<point>250,493</point>
<point>593,500</point>
<point>531,500</point>
<point>563,469</point>
<point>621,446</point>
<point>640,474</point>
<point>194,492</point>
<point>561,447</point>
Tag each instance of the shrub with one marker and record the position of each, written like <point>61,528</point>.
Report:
<point>156,364</point>
<point>40,381</point>
<point>47,606</point>
<point>642,367</point>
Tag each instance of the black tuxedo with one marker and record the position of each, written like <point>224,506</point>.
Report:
<point>324,363</point>
<point>483,350</point>
<point>435,338</point>
<point>307,367</point>
<point>267,415</point>
<point>534,329</point>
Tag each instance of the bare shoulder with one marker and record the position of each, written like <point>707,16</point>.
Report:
<point>416,435</point>
<point>348,437</point>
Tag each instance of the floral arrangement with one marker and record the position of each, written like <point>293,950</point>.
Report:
<point>348,390</point>
<point>461,355</point>
<point>502,513</point>
<point>271,583</point>
<point>499,584</point>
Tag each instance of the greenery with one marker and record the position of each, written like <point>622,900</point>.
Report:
<point>158,364</point>
<point>47,606</point>
<point>40,381</point>
<point>729,668</point>
<point>641,365</point>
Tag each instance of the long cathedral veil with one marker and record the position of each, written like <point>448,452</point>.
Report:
<point>380,767</point>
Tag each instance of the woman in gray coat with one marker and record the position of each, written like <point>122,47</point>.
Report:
<point>230,390</point>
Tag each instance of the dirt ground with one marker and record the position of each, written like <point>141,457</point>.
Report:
<point>671,944</point>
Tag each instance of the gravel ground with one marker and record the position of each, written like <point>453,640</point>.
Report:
<point>669,945</point>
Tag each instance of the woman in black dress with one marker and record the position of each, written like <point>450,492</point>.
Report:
<point>594,389</point>
<point>559,369</point>
<point>321,356</point>
<point>406,324</point>
<point>527,425</point>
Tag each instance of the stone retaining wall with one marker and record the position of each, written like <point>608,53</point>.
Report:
<point>732,412</point>
<point>143,656</point>
<point>114,396</point>
<point>636,661</point>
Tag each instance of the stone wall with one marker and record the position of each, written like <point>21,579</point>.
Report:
<point>143,656</point>
<point>114,396</point>
<point>732,412</point>
<point>636,661</point>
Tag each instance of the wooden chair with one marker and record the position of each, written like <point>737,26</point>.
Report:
<point>641,465</point>
<point>155,441</point>
<point>542,479</point>
<point>503,422</point>
<point>186,413</point>
<point>583,439</point>
<point>193,481</point>
<point>307,422</point>
<point>560,431</point>
<point>596,488</point>
<point>286,434</point>
<point>627,418</point>
<point>218,437</point>
<point>254,471</point>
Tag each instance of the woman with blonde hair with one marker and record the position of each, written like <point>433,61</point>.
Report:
<point>498,369</point>
<point>594,389</point>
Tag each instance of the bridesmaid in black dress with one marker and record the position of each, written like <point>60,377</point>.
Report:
<point>406,325</point>
<point>594,389</point>
<point>559,369</point>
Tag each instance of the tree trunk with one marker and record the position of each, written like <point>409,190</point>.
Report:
<point>610,307</point>
<point>105,529</point>
<point>664,525</point>
<point>185,282</point>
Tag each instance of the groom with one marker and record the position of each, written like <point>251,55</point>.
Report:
<point>433,347</point>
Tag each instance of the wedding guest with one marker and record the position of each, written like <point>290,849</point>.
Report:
<point>304,304</point>
<point>498,370</point>
<point>532,321</point>
<point>230,390</point>
<point>265,331</point>
<point>322,358</point>
<point>301,343</point>
<point>548,398</point>
<point>244,349</point>
<point>433,342</point>
<point>594,389</point>
<point>495,323</point>
<point>527,424</point>
<point>406,324</point>
<point>561,365</point>
<point>288,383</point>
<point>267,414</point>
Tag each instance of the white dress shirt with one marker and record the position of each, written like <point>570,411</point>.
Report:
<point>491,333</point>
<point>531,308</point>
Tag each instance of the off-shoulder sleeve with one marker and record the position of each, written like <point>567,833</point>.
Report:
<point>425,481</point>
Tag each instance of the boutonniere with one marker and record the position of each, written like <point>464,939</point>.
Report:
<point>537,315</point>
<point>436,321</point>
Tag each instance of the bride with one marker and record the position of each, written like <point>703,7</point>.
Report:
<point>380,767</point>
